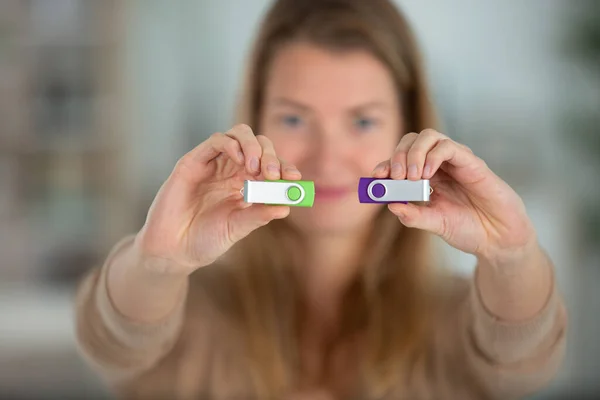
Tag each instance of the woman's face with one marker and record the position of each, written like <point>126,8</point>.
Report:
<point>335,115</point>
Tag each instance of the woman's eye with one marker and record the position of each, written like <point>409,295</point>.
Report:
<point>364,124</point>
<point>292,121</point>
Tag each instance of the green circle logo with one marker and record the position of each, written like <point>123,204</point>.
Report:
<point>294,193</point>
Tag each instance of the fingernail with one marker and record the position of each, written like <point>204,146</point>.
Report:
<point>240,156</point>
<point>412,171</point>
<point>273,170</point>
<point>397,170</point>
<point>427,171</point>
<point>379,168</point>
<point>254,164</point>
<point>292,170</point>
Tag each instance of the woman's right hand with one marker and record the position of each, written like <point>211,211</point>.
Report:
<point>199,212</point>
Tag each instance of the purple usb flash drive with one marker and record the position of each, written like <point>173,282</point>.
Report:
<point>385,191</point>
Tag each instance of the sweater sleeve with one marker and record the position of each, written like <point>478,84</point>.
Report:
<point>115,346</point>
<point>511,360</point>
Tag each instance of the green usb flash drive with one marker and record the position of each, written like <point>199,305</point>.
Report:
<point>281,192</point>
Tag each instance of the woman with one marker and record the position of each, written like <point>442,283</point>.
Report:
<point>218,299</point>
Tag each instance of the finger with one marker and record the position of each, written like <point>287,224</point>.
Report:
<point>192,164</point>
<point>250,147</point>
<point>418,152</point>
<point>215,145</point>
<point>382,170</point>
<point>464,165</point>
<point>444,150</point>
<point>248,219</point>
<point>269,162</point>
<point>399,157</point>
<point>289,171</point>
<point>420,217</point>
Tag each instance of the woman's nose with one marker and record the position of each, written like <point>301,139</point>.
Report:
<point>330,146</point>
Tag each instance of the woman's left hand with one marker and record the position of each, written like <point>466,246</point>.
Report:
<point>471,208</point>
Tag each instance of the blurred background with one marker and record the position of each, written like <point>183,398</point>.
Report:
<point>98,99</point>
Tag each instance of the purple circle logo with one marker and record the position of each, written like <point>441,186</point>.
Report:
<point>378,190</point>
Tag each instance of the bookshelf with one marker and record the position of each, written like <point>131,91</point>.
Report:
<point>64,198</point>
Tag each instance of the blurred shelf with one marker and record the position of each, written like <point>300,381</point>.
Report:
<point>58,147</point>
<point>62,139</point>
<point>57,43</point>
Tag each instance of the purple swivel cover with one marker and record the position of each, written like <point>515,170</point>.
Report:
<point>378,191</point>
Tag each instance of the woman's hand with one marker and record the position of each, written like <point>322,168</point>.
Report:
<point>199,212</point>
<point>471,208</point>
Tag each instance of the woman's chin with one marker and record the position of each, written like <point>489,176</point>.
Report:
<point>331,220</point>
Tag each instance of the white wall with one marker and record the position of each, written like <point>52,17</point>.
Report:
<point>487,60</point>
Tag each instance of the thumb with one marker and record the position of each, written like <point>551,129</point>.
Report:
<point>243,221</point>
<point>419,217</point>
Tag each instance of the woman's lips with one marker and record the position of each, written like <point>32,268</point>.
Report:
<point>327,193</point>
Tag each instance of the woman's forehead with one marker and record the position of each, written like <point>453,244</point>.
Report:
<point>306,73</point>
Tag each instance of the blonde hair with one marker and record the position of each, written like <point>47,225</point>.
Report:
<point>387,300</point>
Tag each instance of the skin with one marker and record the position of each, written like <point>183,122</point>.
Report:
<point>335,118</point>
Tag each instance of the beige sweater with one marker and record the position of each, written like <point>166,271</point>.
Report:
<point>473,355</point>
